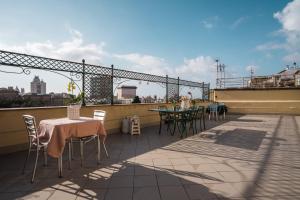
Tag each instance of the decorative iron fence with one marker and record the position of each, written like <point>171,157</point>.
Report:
<point>97,81</point>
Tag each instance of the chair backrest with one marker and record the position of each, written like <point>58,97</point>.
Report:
<point>213,107</point>
<point>177,107</point>
<point>31,129</point>
<point>163,107</point>
<point>100,115</point>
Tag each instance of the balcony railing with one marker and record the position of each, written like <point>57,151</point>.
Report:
<point>97,82</point>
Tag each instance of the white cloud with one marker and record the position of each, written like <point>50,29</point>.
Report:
<point>74,49</point>
<point>145,63</point>
<point>289,18</point>
<point>210,23</point>
<point>201,68</point>
<point>238,22</point>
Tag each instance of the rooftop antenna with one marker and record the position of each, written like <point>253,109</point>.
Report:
<point>251,72</point>
<point>220,79</point>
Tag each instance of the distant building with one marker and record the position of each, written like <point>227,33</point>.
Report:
<point>289,77</point>
<point>100,87</point>
<point>9,94</point>
<point>59,99</point>
<point>38,86</point>
<point>22,91</point>
<point>126,92</point>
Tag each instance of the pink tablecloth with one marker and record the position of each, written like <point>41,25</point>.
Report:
<point>56,131</point>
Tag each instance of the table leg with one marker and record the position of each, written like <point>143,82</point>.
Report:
<point>98,152</point>
<point>59,160</point>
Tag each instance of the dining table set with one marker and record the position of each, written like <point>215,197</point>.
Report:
<point>185,119</point>
<point>52,136</point>
<point>182,119</point>
<point>60,131</point>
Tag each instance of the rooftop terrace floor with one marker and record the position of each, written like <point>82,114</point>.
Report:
<point>243,157</point>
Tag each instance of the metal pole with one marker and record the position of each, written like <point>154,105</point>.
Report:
<point>167,92</point>
<point>203,97</point>
<point>178,88</point>
<point>112,85</point>
<point>83,82</point>
<point>208,91</point>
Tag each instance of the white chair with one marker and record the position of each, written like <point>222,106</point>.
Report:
<point>35,143</point>
<point>99,115</point>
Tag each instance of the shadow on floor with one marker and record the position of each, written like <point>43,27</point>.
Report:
<point>241,138</point>
<point>118,177</point>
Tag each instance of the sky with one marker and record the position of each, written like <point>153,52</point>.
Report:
<point>174,37</point>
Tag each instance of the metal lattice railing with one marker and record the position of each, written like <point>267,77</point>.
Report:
<point>97,81</point>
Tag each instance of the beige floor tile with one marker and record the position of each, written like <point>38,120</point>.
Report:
<point>223,190</point>
<point>223,167</point>
<point>205,168</point>
<point>39,195</point>
<point>179,161</point>
<point>63,194</point>
<point>190,179</point>
<point>98,194</point>
<point>212,177</point>
<point>197,160</point>
<point>161,161</point>
<point>233,176</point>
<point>184,168</point>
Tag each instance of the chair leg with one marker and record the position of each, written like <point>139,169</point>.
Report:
<point>81,152</point>
<point>160,126</point>
<point>45,156</point>
<point>98,150</point>
<point>70,153</point>
<point>200,125</point>
<point>35,164</point>
<point>104,146</point>
<point>26,160</point>
<point>72,149</point>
